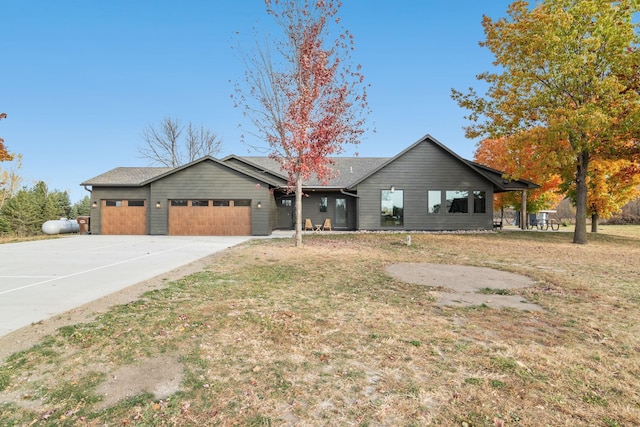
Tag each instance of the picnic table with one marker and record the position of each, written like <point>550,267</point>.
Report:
<point>541,221</point>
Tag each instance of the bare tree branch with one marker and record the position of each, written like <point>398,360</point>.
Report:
<point>162,144</point>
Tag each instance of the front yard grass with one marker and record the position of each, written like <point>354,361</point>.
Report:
<point>270,334</point>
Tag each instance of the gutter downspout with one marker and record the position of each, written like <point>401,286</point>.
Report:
<point>91,195</point>
<point>349,194</point>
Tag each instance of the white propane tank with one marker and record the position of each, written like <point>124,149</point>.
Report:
<point>60,226</point>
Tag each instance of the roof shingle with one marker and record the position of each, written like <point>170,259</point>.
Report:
<point>347,169</point>
<point>128,176</point>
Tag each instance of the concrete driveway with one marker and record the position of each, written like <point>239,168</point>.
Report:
<point>43,278</point>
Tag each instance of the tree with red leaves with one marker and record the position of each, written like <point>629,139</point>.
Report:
<point>301,93</point>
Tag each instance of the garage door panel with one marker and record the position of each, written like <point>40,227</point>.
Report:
<point>124,220</point>
<point>210,220</point>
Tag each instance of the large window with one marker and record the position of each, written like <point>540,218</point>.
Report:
<point>392,208</point>
<point>479,202</point>
<point>457,201</point>
<point>434,199</point>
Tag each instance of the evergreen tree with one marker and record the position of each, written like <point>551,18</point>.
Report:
<point>22,214</point>
<point>81,208</point>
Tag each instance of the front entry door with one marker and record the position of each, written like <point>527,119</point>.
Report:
<point>285,213</point>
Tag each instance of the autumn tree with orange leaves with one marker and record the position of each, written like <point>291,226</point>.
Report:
<point>571,68</point>
<point>521,156</point>
<point>611,184</point>
<point>301,92</point>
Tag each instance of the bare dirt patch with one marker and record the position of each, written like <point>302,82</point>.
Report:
<point>464,286</point>
<point>160,376</point>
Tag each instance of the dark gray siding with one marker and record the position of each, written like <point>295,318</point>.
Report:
<point>425,167</point>
<point>211,180</point>
<point>115,193</point>
<point>311,208</point>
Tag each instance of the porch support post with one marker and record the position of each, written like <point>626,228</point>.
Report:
<point>523,209</point>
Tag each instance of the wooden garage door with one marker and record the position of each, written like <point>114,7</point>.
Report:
<point>124,217</point>
<point>210,217</point>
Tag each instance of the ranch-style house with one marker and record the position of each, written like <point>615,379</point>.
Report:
<point>424,187</point>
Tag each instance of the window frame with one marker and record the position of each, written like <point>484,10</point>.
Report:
<point>430,205</point>
<point>398,220</point>
<point>450,203</point>
<point>484,200</point>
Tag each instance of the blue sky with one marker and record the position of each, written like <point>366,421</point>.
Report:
<point>80,79</point>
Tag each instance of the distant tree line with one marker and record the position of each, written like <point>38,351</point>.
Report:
<point>23,213</point>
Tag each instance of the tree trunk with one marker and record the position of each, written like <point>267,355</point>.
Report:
<point>580,233</point>
<point>594,222</point>
<point>298,211</point>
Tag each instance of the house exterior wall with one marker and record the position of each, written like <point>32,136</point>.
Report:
<point>115,193</point>
<point>425,167</point>
<point>210,180</point>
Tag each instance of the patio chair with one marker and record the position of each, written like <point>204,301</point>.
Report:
<point>327,225</point>
<point>308,225</point>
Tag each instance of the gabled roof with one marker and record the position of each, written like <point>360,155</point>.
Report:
<point>492,175</point>
<point>349,171</point>
<point>346,169</point>
<point>138,177</point>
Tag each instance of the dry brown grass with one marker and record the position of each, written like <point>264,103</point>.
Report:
<point>274,335</point>
<point>16,239</point>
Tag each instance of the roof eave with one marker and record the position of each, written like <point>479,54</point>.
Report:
<point>254,165</point>
<point>500,182</point>
<point>219,162</point>
<point>85,184</point>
